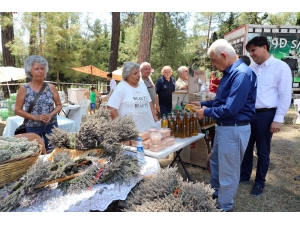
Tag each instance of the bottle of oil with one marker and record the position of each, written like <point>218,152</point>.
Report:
<point>168,119</point>
<point>187,122</point>
<point>191,124</point>
<point>195,121</point>
<point>204,122</point>
<point>173,114</point>
<point>181,126</point>
<point>164,121</point>
<point>177,125</point>
<point>171,124</point>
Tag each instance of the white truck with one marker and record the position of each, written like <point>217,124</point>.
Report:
<point>284,44</point>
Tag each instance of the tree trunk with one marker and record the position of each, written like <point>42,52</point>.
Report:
<point>32,35</point>
<point>115,38</point>
<point>7,36</point>
<point>40,36</point>
<point>146,37</point>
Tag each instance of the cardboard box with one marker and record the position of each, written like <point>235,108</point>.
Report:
<point>196,153</point>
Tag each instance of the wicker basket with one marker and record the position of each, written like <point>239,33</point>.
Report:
<point>76,154</point>
<point>11,170</point>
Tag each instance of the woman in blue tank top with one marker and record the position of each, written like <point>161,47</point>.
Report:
<point>43,116</point>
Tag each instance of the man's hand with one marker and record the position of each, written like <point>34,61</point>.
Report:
<point>275,127</point>
<point>196,103</point>
<point>200,113</point>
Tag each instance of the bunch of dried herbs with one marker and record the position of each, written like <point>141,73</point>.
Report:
<point>167,192</point>
<point>92,171</point>
<point>13,148</point>
<point>99,131</point>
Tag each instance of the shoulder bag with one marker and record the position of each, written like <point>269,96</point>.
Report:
<point>22,128</point>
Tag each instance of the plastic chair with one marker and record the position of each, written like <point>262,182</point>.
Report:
<point>84,104</point>
<point>104,101</point>
<point>1,95</point>
<point>297,109</point>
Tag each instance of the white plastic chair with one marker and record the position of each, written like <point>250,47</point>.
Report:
<point>84,104</point>
<point>104,101</point>
<point>1,95</point>
<point>297,109</point>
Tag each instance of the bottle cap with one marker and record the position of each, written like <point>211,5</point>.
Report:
<point>139,139</point>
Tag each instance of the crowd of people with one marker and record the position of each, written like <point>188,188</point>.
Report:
<point>249,107</point>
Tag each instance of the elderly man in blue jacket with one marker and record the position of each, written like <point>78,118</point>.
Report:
<point>232,108</point>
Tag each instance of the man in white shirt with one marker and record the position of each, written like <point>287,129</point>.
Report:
<point>112,83</point>
<point>182,82</point>
<point>274,89</point>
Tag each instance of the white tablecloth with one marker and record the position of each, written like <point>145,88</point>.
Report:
<point>179,144</point>
<point>13,122</point>
<point>74,112</point>
<point>75,95</point>
<point>97,198</point>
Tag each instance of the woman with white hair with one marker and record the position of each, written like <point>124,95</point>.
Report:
<point>43,116</point>
<point>131,97</point>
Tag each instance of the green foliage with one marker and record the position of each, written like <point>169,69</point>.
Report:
<point>282,18</point>
<point>297,19</point>
<point>252,18</point>
<point>229,23</point>
<point>169,40</point>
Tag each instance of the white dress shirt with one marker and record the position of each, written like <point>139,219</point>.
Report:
<point>112,84</point>
<point>274,86</point>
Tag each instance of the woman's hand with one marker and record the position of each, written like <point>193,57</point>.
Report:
<point>43,118</point>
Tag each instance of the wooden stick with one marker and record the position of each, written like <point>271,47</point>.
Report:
<point>59,180</point>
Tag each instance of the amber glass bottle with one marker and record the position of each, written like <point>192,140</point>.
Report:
<point>171,124</point>
<point>181,135</point>
<point>195,121</point>
<point>177,125</point>
<point>187,122</point>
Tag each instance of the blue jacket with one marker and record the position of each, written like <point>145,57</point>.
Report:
<point>236,95</point>
<point>164,90</point>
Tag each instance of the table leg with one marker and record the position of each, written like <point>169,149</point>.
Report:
<point>179,159</point>
<point>66,114</point>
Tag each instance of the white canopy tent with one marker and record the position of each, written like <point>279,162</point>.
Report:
<point>10,73</point>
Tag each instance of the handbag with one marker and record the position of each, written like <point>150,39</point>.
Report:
<point>22,128</point>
